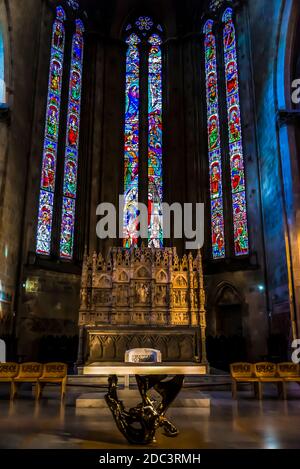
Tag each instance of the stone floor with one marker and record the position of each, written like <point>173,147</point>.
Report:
<point>246,423</point>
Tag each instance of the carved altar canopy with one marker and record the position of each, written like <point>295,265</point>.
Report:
<point>142,297</point>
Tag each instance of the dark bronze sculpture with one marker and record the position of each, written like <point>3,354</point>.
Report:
<point>140,423</point>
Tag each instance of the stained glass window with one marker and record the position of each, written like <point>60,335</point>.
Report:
<point>155,183</point>
<point>239,207</point>
<point>214,145</point>
<point>131,150</point>
<point>47,189</point>
<point>144,31</point>
<point>72,145</point>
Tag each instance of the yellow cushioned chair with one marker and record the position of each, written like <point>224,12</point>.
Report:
<point>266,372</point>
<point>28,373</point>
<point>289,372</point>
<point>8,371</point>
<point>53,373</point>
<point>242,372</point>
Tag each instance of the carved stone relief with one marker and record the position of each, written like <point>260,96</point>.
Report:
<point>141,287</point>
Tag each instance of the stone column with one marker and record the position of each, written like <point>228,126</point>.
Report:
<point>202,311</point>
<point>191,289</point>
<point>83,308</point>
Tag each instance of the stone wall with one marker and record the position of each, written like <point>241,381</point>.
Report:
<point>265,47</point>
<point>20,23</point>
<point>50,304</point>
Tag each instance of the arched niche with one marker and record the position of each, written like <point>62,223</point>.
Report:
<point>226,342</point>
<point>142,272</point>
<point>161,277</point>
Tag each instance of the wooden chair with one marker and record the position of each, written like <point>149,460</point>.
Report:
<point>266,372</point>
<point>53,373</point>
<point>8,371</point>
<point>242,372</point>
<point>28,373</point>
<point>289,373</point>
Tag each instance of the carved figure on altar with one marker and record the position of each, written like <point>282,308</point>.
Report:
<point>161,295</point>
<point>176,298</point>
<point>142,291</point>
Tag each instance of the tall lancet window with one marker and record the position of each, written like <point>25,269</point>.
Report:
<point>144,47</point>
<point>222,157</point>
<point>48,179</point>
<point>72,146</point>
<point>63,197</point>
<point>239,207</point>
<point>131,154</point>
<point>155,183</point>
<point>214,144</point>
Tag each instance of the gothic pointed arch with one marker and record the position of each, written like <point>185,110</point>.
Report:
<point>227,294</point>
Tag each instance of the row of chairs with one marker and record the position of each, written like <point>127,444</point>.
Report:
<point>264,372</point>
<point>35,373</point>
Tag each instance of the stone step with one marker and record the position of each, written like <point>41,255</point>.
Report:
<point>131,398</point>
<point>94,381</point>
